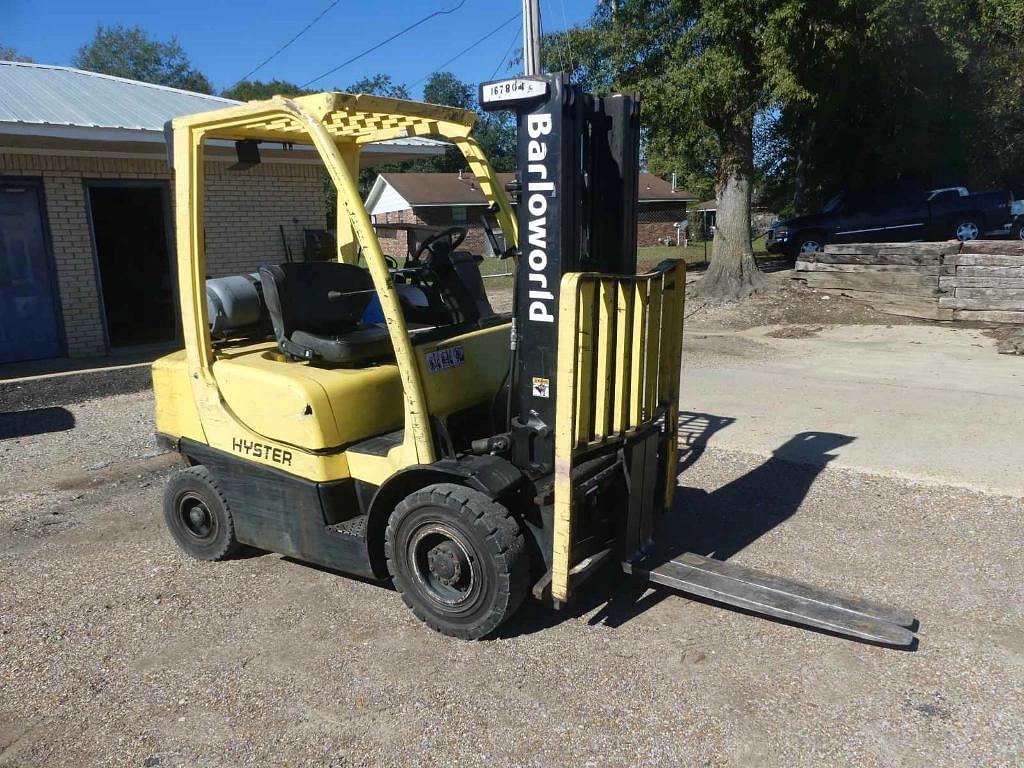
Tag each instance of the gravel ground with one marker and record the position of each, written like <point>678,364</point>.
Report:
<point>117,650</point>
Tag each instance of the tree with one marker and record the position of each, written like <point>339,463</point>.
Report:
<point>257,90</point>
<point>7,53</point>
<point>495,132</point>
<point>984,38</point>
<point>130,52</point>
<point>379,85</point>
<point>445,88</point>
<point>877,96</point>
<point>699,68</point>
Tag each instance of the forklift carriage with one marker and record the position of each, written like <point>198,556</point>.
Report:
<point>381,419</point>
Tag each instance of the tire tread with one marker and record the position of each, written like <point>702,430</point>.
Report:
<point>498,529</point>
<point>230,544</point>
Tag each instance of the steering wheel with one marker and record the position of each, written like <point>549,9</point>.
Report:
<point>391,261</point>
<point>455,235</point>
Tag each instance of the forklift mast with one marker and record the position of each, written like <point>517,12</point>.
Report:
<point>578,160</point>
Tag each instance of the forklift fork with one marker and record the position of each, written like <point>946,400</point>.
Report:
<point>779,598</point>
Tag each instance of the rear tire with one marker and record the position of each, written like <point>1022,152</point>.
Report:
<point>966,229</point>
<point>197,515</point>
<point>458,558</point>
<point>808,245</point>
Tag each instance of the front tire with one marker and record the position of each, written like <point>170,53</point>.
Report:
<point>197,515</point>
<point>458,558</point>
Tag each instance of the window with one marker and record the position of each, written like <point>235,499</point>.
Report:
<point>459,214</point>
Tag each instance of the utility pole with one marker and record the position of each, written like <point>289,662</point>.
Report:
<point>531,37</point>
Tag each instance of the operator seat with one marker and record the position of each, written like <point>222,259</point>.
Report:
<point>315,308</point>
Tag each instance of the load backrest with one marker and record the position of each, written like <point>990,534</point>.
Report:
<point>619,354</point>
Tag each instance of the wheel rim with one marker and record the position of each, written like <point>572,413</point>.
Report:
<point>445,566</point>
<point>196,518</point>
<point>1020,232</point>
<point>967,230</point>
<point>810,246</point>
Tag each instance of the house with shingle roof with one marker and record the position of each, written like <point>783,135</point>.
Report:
<point>448,199</point>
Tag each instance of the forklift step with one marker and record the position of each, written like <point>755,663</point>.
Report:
<point>763,593</point>
<point>354,526</point>
<point>380,445</point>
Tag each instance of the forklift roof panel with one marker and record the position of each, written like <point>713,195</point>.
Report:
<point>358,118</point>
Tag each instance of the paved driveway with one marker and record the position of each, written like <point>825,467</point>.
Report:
<point>923,402</point>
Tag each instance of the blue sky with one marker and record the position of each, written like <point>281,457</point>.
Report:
<point>225,39</point>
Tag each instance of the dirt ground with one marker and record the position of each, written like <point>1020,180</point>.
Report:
<point>782,301</point>
<point>117,650</point>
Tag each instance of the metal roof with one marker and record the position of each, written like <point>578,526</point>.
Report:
<point>48,100</point>
<point>42,94</point>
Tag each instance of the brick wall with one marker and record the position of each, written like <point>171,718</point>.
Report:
<point>656,223</point>
<point>434,216</point>
<point>393,243</point>
<point>244,209</point>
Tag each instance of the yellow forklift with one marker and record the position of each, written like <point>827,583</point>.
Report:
<point>381,419</point>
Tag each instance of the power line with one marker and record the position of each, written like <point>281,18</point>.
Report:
<point>275,53</point>
<point>560,52</point>
<point>466,50</point>
<point>507,52</point>
<point>373,48</point>
<point>568,37</point>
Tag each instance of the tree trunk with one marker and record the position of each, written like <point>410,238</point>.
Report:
<point>800,186</point>
<point>800,174</point>
<point>733,273</point>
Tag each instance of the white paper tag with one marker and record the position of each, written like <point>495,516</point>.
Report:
<point>443,359</point>
<point>516,89</point>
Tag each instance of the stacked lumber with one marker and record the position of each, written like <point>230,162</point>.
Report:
<point>984,281</point>
<point>897,278</point>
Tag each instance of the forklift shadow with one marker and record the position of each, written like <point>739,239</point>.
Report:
<point>695,429</point>
<point>718,524</point>
<point>721,523</point>
<point>37,421</point>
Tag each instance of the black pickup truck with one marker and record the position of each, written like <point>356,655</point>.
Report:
<point>941,214</point>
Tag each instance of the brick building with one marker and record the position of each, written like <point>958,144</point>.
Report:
<point>87,259</point>
<point>447,199</point>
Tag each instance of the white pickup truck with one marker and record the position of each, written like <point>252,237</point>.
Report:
<point>1017,227</point>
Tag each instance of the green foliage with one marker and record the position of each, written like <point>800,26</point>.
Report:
<point>379,85</point>
<point>585,54</point>
<point>496,133</point>
<point>445,88</point>
<point>257,90</point>
<point>129,52</point>
<point>985,38</point>
<point>7,53</point>
<point>814,96</point>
